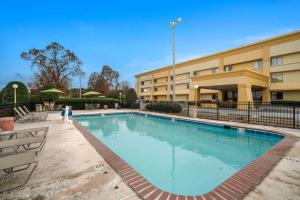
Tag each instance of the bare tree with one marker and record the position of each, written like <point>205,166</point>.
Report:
<point>92,83</point>
<point>55,64</point>
<point>124,86</point>
<point>98,83</point>
<point>111,77</point>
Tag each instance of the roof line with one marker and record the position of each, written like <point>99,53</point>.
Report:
<point>225,51</point>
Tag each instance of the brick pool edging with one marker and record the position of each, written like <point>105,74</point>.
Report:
<point>235,187</point>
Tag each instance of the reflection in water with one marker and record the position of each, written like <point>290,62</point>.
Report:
<point>177,156</point>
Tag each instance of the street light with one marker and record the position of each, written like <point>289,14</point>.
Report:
<point>196,92</point>
<point>15,86</point>
<point>172,25</point>
<point>120,95</point>
<point>81,74</point>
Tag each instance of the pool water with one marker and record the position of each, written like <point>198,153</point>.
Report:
<point>178,156</point>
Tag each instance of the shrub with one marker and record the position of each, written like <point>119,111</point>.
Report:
<point>79,104</point>
<point>286,103</point>
<point>131,95</point>
<point>132,105</point>
<point>168,107</point>
<point>8,93</point>
<point>36,99</point>
<point>113,94</point>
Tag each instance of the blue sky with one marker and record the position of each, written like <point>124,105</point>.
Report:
<point>134,36</point>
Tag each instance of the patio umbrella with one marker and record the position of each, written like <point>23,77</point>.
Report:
<point>52,91</point>
<point>91,94</point>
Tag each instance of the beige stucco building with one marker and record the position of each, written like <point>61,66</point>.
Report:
<point>262,71</point>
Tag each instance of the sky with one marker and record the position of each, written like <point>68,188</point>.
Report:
<point>133,36</point>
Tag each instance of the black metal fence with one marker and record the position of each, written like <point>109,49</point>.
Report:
<point>281,115</point>
<point>7,110</point>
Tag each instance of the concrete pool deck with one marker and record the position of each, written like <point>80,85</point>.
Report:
<point>67,168</point>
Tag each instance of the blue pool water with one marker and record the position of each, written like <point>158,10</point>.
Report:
<point>178,156</point>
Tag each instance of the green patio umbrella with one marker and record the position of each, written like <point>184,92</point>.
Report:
<point>53,90</point>
<point>91,94</point>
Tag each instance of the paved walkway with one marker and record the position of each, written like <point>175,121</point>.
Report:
<point>67,170</point>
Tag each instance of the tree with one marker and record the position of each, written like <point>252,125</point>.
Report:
<point>111,77</point>
<point>55,65</point>
<point>8,93</point>
<point>124,86</point>
<point>131,95</point>
<point>92,83</point>
<point>98,83</point>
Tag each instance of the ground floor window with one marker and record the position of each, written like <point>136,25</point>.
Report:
<point>277,95</point>
<point>230,95</point>
<point>257,95</point>
<point>214,96</point>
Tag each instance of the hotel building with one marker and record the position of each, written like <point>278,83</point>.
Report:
<point>267,70</point>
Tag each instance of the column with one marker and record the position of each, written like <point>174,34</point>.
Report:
<point>192,94</point>
<point>266,95</point>
<point>244,95</point>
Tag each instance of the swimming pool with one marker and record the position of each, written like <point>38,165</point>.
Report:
<point>178,156</point>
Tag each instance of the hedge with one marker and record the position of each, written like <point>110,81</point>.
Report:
<point>7,94</point>
<point>79,104</point>
<point>168,107</point>
<point>131,105</point>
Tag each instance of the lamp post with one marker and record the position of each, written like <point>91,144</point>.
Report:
<point>80,86</point>
<point>172,24</point>
<point>120,96</point>
<point>15,86</point>
<point>81,74</point>
<point>196,92</point>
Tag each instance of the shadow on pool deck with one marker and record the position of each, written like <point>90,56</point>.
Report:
<point>67,170</point>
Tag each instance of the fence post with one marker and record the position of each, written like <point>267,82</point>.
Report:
<point>188,107</point>
<point>249,109</point>
<point>217,111</point>
<point>294,117</point>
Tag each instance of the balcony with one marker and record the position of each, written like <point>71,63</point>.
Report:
<point>286,67</point>
<point>160,83</point>
<point>231,78</point>
<point>165,92</point>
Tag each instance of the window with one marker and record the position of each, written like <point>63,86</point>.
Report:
<point>188,86</point>
<point>171,78</point>
<point>228,68</point>
<point>142,90</point>
<point>276,78</point>
<point>155,89</point>
<point>214,96</point>
<point>195,73</point>
<point>258,64</point>
<point>215,70</point>
<point>276,95</point>
<point>155,80</point>
<point>257,95</point>
<point>142,83</point>
<point>275,61</point>
<point>171,87</point>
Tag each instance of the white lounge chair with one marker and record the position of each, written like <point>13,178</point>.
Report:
<point>27,117</point>
<point>25,111</point>
<point>23,144</point>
